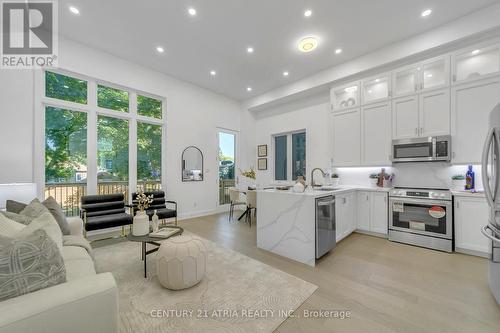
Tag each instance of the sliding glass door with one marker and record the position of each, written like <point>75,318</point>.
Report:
<point>226,163</point>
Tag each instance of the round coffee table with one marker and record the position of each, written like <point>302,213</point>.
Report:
<point>155,241</point>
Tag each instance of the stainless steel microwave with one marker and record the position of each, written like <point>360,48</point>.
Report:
<point>426,149</point>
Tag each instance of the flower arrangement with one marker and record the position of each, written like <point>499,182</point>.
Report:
<point>373,176</point>
<point>143,200</point>
<point>249,173</point>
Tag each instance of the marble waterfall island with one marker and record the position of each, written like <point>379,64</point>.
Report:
<point>286,223</point>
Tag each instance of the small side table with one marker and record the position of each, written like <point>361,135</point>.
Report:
<point>155,241</point>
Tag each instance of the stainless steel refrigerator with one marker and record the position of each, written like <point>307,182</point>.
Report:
<point>491,183</point>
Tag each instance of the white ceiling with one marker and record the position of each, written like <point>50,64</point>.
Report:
<point>218,36</point>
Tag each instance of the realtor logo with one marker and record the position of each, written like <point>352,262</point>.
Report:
<point>29,34</point>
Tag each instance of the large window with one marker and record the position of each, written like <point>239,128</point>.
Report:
<point>89,148</point>
<point>290,156</point>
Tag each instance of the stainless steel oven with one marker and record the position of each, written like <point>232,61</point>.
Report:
<point>422,217</point>
<point>427,149</point>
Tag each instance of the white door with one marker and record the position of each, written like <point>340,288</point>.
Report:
<point>376,134</point>
<point>471,214</point>
<point>379,215</point>
<point>226,163</point>
<point>405,117</point>
<point>471,104</point>
<point>364,211</point>
<point>435,112</point>
<point>347,138</point>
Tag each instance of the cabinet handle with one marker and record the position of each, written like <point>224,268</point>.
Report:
<point>416,87</point>
<point>454,77</point>
<point>421,86</point>
<point>367,197</point>
<point>344,200</point>
<point>458,204</point>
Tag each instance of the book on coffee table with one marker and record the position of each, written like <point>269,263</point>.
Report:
<point>164,232</point>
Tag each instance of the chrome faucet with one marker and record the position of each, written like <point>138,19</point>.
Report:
<point>312,176</point>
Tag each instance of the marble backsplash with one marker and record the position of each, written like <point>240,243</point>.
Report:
<point>423,174</point>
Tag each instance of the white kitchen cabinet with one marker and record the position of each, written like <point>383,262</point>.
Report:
<point>434,112</point>
<point>471,214</point>
<point>476,62</point>
<point>428,75</point>
<point>376,134</point>
<point>372,212</point>
<point>471,104</point>
<point>405,117</point>
<point>376,89</point>
<point>347,138</point>
<point>345,97</point>
<point>345,214</point>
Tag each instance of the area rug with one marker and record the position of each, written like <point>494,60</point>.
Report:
<point>237,294</point>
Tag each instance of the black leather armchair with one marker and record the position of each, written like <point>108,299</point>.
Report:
<point>104,211</point>
<point>159,204</point>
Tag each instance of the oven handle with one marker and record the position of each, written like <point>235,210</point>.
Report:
<point>419,201</point>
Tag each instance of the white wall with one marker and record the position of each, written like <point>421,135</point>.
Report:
<point>193,114</point>
<point>311,114</point>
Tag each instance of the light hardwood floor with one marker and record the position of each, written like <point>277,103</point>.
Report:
<point>388,287</point>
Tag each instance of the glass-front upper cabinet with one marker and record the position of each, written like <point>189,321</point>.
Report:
<point>377,88</point>
<point>345,96</point>
<point>405,80</point>
<point>435,73</point>
<point>476,62</point>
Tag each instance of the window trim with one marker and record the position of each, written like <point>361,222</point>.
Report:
<point>289,144</point>
<point>93,111</point>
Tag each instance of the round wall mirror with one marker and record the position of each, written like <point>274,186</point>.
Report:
<point>192,165</point>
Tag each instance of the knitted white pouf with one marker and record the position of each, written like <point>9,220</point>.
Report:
<point>181,262</point>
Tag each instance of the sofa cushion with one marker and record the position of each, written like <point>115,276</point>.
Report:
<point>29,263</point>
<point>78,263</point>
<point>34,209</point>
<point>46,222</point>
<point>56,211</point>
<point>78,241</point>
<point>8,227</point>
<point>17,217</point>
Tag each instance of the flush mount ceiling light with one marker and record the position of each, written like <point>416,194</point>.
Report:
<point>192,11</point>
<point>308,44</point>
<point>74,10</point>
<point>426,12</point>
<point>285,73</point>
<point>338,51</point>
<point>213,73</point>
<point>475,52</point>
<point>160,49</point>
<point>250,49</point>
<point>308,13</point>
<point>249,89</point>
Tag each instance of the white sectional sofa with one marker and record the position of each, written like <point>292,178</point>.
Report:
<point>87,302</point>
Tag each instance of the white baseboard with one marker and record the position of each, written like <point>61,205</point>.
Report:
<point>473,252</point>
<point>371,233</point>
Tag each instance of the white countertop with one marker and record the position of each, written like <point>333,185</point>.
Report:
<point>337,190</point>
<point>478,194</point>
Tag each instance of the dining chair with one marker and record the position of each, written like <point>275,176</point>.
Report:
<point>234,198</point>
<point>251,205</point>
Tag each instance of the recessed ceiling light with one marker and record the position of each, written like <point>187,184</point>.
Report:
<point>213,73</point>
<point>308,13</point>
<point>475,52</point>
<point>338,51</point>
<point>160,49</point>
<point>74,10</point>
<point>249,89</point>
<point>377,80</point>
<point>192,11</point>
<point>429,75</point>
<point>250,49</point>
<point>285,73</point>
<point>308,44</point>
<point>426,12</point>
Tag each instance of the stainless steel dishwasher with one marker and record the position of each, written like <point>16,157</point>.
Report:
<point>325,225</point>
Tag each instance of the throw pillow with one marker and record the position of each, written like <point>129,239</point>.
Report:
<point>46,222</point>
<point>8,227</point>
<point>28,264</point>
<point>34,209</point>
<point>17,217</point>
<point>14,206</point>
<point>51,204</point>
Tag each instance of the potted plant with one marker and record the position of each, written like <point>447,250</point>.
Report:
<point>458,182</point>
<point>335,180</point>
<point>248,178</point>
<point>373,179</point>
<point>140,226</point>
